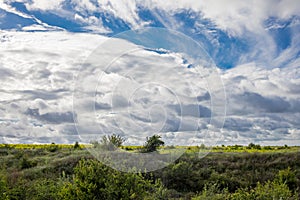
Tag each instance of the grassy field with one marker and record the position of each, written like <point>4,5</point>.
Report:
<point>64,171</point>
<point>234,148</point>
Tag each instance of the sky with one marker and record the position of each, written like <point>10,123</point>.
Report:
<point>217,72</point>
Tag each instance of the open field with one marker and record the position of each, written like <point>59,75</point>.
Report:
<point>64,172</point>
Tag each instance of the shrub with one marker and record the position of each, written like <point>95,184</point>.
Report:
<point>109,142</point>
<point>26,163</point>
<point>213,192</point>
<point>53,147</point>
<point>288,177</point>
<point>3,188</point>
<point>254,146</point>
<point>268,191</point>
<point>44,189</point>
<point>93,180</point>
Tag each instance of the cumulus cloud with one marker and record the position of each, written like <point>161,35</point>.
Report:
<point>36,85</point>
<point>263,101</point>
<point>36,95</point>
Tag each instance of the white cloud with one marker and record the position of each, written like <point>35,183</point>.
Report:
<point>34,27</point>
<point>37,84</point>
<point>37,69</point>
<point>37,72</point>
<point>240,19</point>
<point>83,6</point>
<point>44,5</point>
<point>263,104</point>
<point>125,10</point>
<point>92,23</point>
<point>234,16</point>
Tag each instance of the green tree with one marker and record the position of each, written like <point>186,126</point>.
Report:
<point>76,145</point>
<point>152,143</point>
<point>254,146</point>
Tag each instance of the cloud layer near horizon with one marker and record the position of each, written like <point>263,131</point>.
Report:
<point>37,71</point>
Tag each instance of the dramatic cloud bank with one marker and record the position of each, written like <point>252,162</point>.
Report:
<point>37,80</point>
<point>256,45</point>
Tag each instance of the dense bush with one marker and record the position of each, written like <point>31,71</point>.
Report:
<point>230,170</point>
<point>93,180</point>
<point>267,191</point>
<point>3,188</point>
<point>26,163</point>
<point>53,147</point>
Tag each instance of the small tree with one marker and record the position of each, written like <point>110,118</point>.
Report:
<point>152,143</point>
<point>76,145</point>
<point>116,140</point>
<point>254,146</point>
<point>110,142</point>
<point>53,147</point>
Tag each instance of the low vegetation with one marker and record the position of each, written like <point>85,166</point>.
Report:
<point>57,171</point>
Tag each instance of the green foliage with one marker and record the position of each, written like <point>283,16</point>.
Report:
<point>288,177</point>
<point>3,188</point>
<point>268,191</point>
<point>116,140</point>
<point>34,189</point>
<point>76,145</point>
<point>109,142</point>
<point>93,180</point>
<point>53,147</point>
<point>180,176</point>
<point>213,192</point>
<point>29,172</point>
<point>254,146</point>
<point>152,144</point>
<point>46,189</point>
<point>26,163</point>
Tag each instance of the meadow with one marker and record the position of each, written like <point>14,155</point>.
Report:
<point>69,171</point>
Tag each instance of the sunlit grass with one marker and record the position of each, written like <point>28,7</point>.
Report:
<point>166,149</point>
